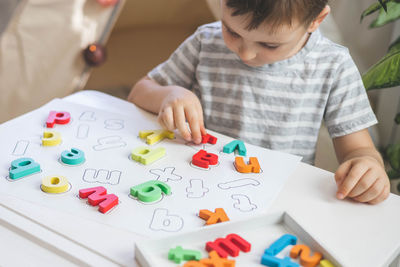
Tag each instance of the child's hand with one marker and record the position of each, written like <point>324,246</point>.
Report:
<point>362,179</point>
<point>179,106</point>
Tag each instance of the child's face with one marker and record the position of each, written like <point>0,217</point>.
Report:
<point>261,46</point>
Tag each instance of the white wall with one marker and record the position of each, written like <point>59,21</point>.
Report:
<point>7,8</point>
<point>388,106</point>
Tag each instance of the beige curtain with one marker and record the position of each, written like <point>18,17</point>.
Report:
<point>40,51</point>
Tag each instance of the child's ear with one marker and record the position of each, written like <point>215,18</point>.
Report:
<point>316,22</point>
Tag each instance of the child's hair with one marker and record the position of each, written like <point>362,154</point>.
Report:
<point>277,12</point>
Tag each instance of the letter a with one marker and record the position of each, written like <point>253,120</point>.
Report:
<point>242,167</point>
<point>203,159</point>
<point>146,155</point>
<point>22,167</point>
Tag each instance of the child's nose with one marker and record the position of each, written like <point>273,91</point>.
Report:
<point>246,54</point>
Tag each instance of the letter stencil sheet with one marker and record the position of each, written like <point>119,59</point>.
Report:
<point>107,140</point>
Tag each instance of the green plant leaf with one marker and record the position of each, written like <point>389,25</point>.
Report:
<point>397,118</point>
<point>393,155</point>
<point>392,14</point>
<point>395,44</point>
<point>386,72</point>
<point>383,4</point>
<point>371,9</point>
<point>392,174</point>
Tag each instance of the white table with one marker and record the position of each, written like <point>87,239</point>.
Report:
<point>356,234</point>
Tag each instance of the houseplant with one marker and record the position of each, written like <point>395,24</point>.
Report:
<point>386,73</point>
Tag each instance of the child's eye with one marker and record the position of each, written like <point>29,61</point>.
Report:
<point>233,34</point>
<point>265,45</point>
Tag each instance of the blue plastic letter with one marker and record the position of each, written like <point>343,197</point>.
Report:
<point>73,157</point>
<point>22,167</point>
<point>235,144</point>
<point>272,261</point>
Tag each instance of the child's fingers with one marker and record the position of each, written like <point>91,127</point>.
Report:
<point>374,191</point>
<point>201,120</point>
<point>166,119</point>
<point>194,124</point>
<point>382,196</point>
<point>352,178</point>
<point>180,122</point>
<point>342,172</point>
<point>364,183</point>
<point>195,130</point>
<point>203,129</point>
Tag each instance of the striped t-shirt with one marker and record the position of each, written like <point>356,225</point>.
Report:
<point>279,106</point>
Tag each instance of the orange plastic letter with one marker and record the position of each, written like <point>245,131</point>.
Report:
<point>213,217</point>
<point>305,258</point>
<point>193,264</point>
<point>242,167</point>
<point>215,260</point>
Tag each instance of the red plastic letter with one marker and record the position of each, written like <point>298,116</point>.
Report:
<point>208,138</point>
<point>203,159</point>
<point>98,196</point>
<point>57,117</point>
<point>231,244</point>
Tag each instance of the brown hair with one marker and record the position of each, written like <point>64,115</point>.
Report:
<point>277,12</point>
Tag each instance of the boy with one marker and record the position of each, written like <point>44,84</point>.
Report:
<point>265,74</point>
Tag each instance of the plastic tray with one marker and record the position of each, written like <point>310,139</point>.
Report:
<point>260,231</point>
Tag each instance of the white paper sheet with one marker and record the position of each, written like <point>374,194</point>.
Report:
<point>109,166</point>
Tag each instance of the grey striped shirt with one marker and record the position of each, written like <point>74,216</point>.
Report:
<point>279,106</point>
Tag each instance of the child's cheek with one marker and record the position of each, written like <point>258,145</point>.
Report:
<point>229,42</point>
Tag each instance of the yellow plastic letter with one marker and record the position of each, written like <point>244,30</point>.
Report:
<point>51,138</point>
<point>55,184</point>
<point>154,136</point>
<point>146,155</point>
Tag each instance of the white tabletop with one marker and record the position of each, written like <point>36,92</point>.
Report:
<point>356,234</point>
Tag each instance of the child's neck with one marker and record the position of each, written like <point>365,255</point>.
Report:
<point>301,44</point>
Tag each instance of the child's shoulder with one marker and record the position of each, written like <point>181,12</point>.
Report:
<point>209,31</point>
<point>328,48</point>
<point>216,25</point>
<point>332,45</point>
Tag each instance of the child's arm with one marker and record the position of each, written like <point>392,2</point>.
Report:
<point>174,105</point>
<point>361,175</point>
